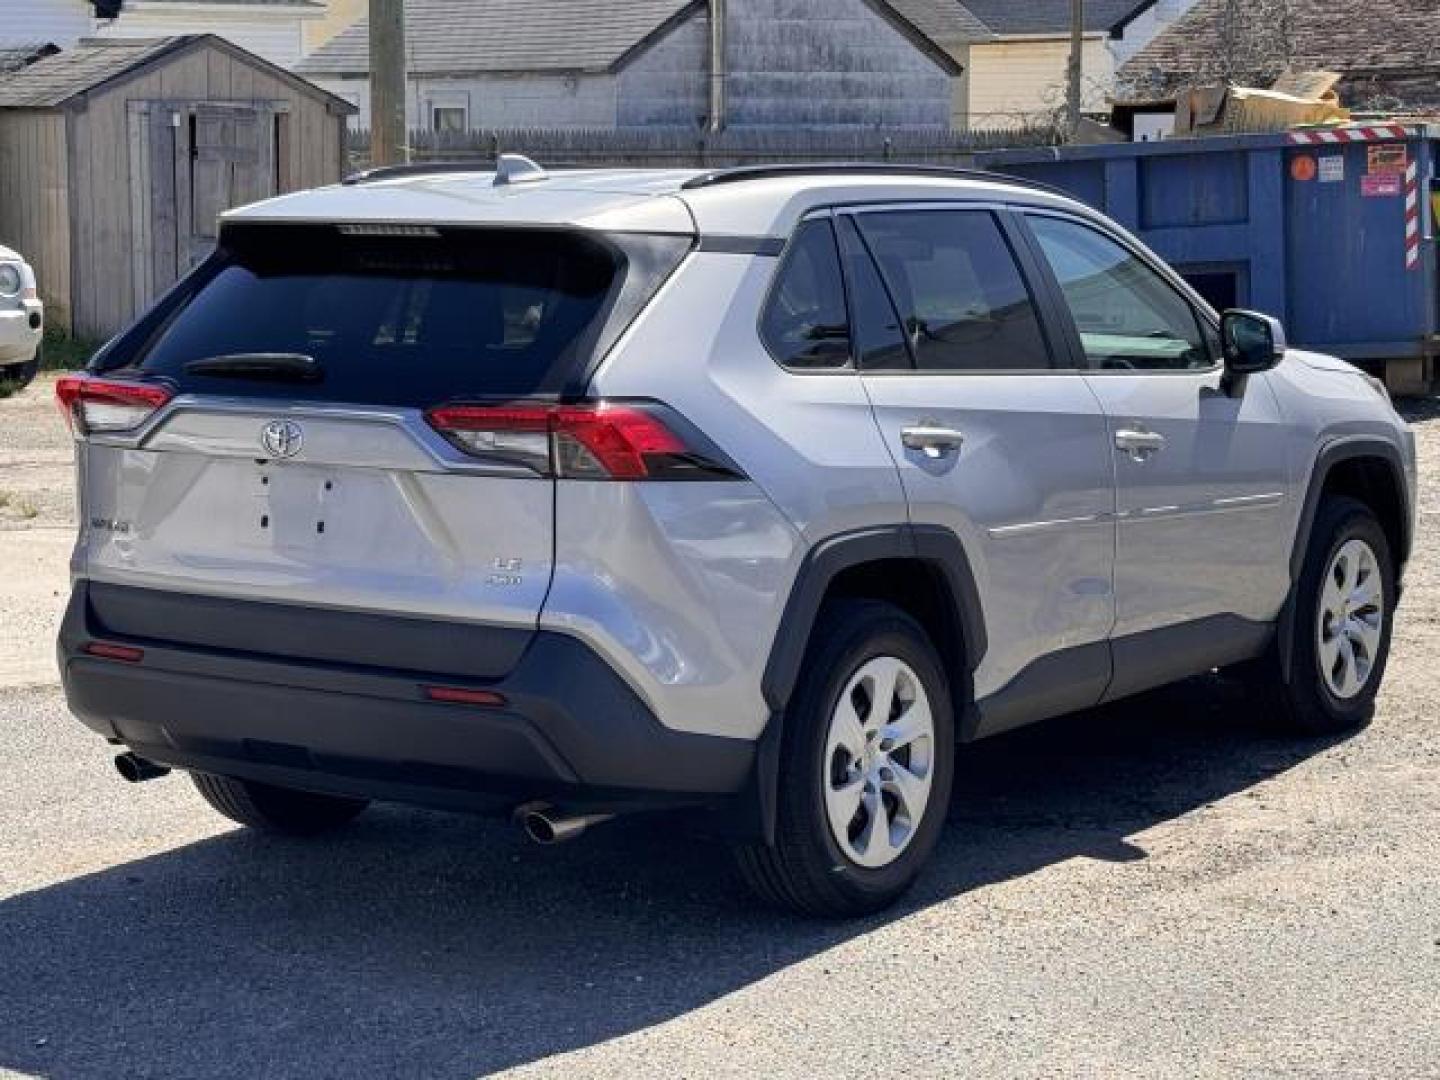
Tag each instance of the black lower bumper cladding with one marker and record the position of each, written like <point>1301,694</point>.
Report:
<point>295,696</point>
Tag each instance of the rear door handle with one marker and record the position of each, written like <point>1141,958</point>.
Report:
<point>1139,444</point>
<point>931,440</point>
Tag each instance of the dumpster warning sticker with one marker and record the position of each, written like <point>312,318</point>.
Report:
<point>1388,159</point>
<point>1302,168</point>
<point>1332,169</point>
<point>1381,187</point>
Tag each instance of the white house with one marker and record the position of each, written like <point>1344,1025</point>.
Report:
<point>1020,75</point>
<point>272,29</point>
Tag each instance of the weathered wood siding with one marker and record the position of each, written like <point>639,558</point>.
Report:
<point>105,228</point>
<point>829,64</point>
<point>34,202</point>
<point>668,84</point>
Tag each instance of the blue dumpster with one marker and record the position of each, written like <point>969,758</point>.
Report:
<point>1330,230</point>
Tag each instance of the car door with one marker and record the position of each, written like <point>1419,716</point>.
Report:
<point>1202,551</point>
<point>996,442</point>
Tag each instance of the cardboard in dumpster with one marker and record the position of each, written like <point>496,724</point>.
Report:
<point>1296,99</point>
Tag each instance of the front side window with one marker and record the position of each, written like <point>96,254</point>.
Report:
<point>447,119</point>
<point>962,299</point>
<point>805,323</point>
<point>1128,316</point>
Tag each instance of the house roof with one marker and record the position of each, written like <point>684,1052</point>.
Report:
<point>467,36</point>
<point>443,36</point>
<point>94,63</point>
<point>946,22</point>
<point>1360,40</point>
<point>246,3</point>
<point>14,57</point>
<point>1046,17</point>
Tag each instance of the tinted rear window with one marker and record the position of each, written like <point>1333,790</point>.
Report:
<point>410,320</point>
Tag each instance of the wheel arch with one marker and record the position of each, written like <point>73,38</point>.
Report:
<point>1364,468</point>
<point>921,569</point>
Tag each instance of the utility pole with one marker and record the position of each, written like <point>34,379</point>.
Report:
<point>1077,53</point>
<point>388,136</point>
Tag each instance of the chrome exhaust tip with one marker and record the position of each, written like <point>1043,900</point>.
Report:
<point>137,769</point>
<point>545,825</point>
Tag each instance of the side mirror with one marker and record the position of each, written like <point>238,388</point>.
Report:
<point>1252,342</point>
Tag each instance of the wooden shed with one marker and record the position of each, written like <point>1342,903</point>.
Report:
<point>117,157</point>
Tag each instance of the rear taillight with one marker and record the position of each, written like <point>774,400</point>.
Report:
<point>92,405</point>
<point>597,440</point>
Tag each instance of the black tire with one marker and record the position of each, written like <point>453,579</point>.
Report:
<point>1303,703</point>
<point>806,870</point>
<point>19,376</point>
<point>276,809</point>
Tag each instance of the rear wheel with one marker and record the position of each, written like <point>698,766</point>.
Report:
<point>1344,606</point>
<point>276,809</point>
<point>867,764</point>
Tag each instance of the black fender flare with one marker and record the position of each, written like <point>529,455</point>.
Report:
<point>934,546</point>
<point>1346,448</point>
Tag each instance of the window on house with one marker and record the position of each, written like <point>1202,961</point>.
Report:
<point>447,118</point>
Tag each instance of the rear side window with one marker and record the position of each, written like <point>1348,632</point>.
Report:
<point>876,328</point>
<point>962,299</point>
<point>805,323</point>
<point>410,319</point>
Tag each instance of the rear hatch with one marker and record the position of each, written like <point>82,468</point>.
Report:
<point>269,433</point>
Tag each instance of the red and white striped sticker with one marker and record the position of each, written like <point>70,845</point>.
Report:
<point>1412,216</point>
<point>1336,136</point>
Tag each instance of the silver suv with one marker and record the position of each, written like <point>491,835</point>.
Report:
<point>757,490</point>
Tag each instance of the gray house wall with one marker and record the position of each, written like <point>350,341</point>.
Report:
<point>793,64</point>
<point>667,85</point>
<point>829,63</point>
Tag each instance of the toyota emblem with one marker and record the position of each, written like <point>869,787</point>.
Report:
<point>282,438</point>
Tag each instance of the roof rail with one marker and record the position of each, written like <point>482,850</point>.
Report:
<point>743,173</point>
<point>396,172</point>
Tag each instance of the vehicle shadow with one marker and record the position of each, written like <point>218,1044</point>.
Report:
<point>437,945</point>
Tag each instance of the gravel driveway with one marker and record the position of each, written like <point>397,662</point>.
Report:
<point>1146,890</point>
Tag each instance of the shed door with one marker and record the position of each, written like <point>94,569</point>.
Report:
<point>192,162</point>
<point>232,162</point>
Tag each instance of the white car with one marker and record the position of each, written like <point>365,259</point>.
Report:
<point>22,319</point>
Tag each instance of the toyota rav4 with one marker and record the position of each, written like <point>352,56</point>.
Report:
<point>759,491</point>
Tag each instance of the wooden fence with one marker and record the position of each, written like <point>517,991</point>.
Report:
<point>680,149</point>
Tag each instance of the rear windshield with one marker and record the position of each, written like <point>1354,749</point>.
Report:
<point>414,317</point>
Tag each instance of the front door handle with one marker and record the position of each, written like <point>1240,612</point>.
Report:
<point>931,440</point>
<point>1139,444</point>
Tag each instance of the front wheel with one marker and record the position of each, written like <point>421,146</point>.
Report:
<point>19,376</point>
<point>1344,605</point>
<point>867,764</point>
<point>276,809</point>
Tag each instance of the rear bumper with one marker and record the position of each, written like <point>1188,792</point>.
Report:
<point>571,730</point>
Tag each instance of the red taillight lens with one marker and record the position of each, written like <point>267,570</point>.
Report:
<point>599,440</point>
<point>100,405</point>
